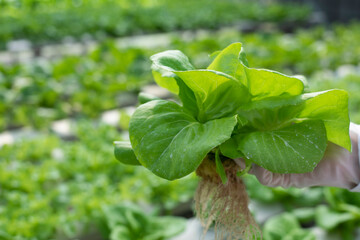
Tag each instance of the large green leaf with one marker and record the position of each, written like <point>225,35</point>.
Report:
<point>272,113</point>
<point>227,61</point>
<point>261,83</point>
<point>294,149</point>
<point>273,102</point>
<point>331,107</point>
<point>165,63</point>
<point>217,95</point>
<point>170,142</point>
<point>266,119</point>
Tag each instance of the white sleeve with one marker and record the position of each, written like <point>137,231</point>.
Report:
<point>356,128</point>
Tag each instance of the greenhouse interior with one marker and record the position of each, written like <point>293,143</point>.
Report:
<point>179,120</point>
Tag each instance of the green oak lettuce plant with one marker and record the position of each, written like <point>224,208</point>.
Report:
<point>230,111</point>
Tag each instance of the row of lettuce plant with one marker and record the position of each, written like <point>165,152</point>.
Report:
<point>41,91</point>
<point>52,21</point>
<point>52,189</point>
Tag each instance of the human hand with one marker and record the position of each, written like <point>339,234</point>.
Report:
<point>338,168</point>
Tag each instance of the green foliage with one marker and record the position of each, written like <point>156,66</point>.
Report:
<point>230,149</point>
<point>274,150</point>
<point>260,83</point>
<point>180,142</point>
<point>164,64</point>
<point>130,222</point>
<point>88,85</point>
<point>39,92</point>
<point>42,23</point>
<point>53,189</point>
<point>332,108</point>
<point>268,116</point>
<point>328,219</point>
<point>305,51</point>
<point>334,210</point>
<point>342,214</point>
<point>217,95</point>
<point>286,226</point>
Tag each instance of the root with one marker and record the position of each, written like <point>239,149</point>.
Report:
<point>226,205</point>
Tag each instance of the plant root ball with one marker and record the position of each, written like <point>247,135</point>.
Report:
<point>226,205</point>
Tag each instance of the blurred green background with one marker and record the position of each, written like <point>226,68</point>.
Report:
<point>70,72</point>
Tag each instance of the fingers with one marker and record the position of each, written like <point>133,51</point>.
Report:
<point>266,177</point>
<point>271,179</point>
<point>240,162</point>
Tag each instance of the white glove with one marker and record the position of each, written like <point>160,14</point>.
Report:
<point>338,168</point>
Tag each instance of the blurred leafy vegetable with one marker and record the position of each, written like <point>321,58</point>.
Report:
<point>286,226</point>
<point>50,187</point>
<point>52,21</point>
<point>88,85</point>
<point>130,222</point>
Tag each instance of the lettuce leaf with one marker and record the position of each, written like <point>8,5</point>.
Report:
<point>170,142</point>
